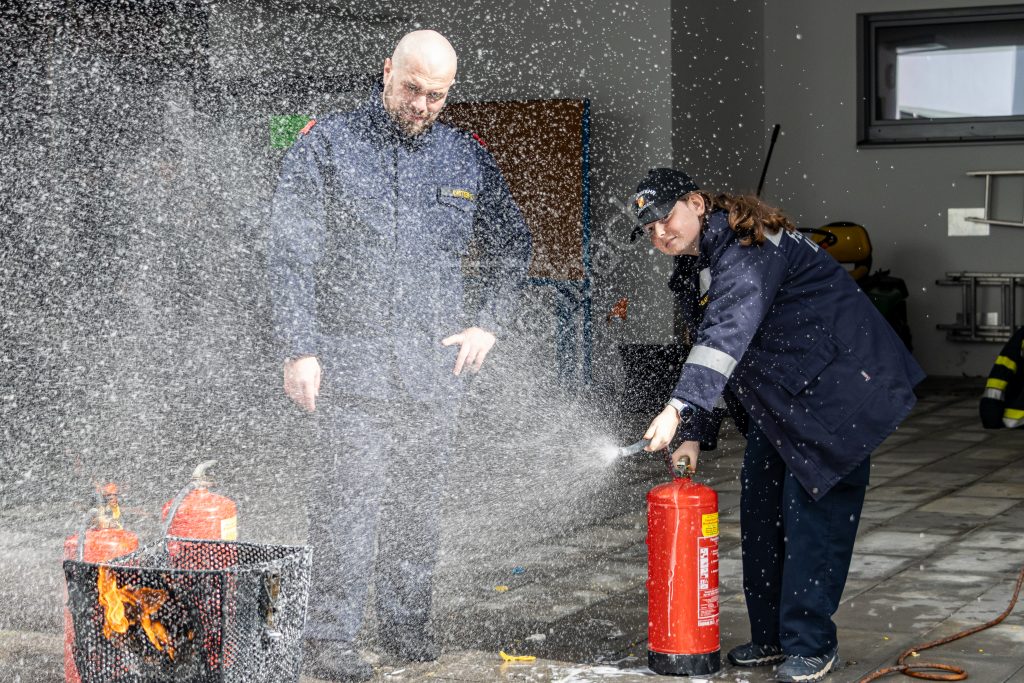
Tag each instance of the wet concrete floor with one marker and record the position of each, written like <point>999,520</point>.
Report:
<point>939,549</point>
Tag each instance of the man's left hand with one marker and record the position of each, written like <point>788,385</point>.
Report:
<point>474,345</point>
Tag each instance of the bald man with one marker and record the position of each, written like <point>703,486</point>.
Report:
<point>374,212</point>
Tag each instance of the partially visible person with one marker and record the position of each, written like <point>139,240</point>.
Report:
<point>822,379</point>
<point>373,215</point>
<point>1002,404</point>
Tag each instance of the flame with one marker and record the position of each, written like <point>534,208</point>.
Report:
<point>126,606</point>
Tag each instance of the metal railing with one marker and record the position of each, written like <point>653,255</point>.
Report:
<point>968,326</point>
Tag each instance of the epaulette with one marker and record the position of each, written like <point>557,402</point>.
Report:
<point>308,127</point>
<point>479,139</point>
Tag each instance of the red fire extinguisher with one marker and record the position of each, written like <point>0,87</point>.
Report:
<point>682,577</point>
<point>100,538</point>
<point>197,512</point>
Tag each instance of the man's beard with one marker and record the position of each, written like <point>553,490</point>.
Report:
<point>409,128</point>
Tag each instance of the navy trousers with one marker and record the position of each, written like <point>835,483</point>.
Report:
<point>382,471</point>
<point>796,551</point>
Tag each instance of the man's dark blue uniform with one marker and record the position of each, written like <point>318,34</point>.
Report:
<point>370,228</point>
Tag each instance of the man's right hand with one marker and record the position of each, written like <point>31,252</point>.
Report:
<point>302,381</point>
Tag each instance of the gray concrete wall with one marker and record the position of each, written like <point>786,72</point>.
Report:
<point>900,194</point>
<point>719,132</point>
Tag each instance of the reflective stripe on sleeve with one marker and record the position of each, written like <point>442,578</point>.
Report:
<point>719,361</point>
<point>997,394</point>
<point>1007,363</point>
<point>993,383</point>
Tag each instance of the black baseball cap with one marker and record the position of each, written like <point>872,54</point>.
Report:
<point>657,193</point>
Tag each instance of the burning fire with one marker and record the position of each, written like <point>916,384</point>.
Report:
<point>126,606</point>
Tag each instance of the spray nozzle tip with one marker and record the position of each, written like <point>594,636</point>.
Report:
<point>633,448</point>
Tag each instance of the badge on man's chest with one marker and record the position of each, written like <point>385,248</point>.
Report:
<point>455,192</point>
<point>457,197</point>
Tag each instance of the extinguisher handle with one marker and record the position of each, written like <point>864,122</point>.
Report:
<point>681,470</point>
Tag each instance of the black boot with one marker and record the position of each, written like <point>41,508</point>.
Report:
<point>334,661</point>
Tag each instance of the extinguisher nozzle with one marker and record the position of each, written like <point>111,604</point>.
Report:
<point>632,449</point>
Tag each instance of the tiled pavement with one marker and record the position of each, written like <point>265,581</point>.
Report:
<point>939,549</point>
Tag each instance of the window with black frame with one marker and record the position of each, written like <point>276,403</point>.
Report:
<point>942,76</point>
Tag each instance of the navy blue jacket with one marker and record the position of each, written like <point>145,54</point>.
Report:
<point>802,348</point>
<point>369,229</point>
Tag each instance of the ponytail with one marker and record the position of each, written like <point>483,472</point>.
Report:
<point>749,217</point>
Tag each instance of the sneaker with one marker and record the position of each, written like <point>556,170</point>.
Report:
<point>752,654</point>
<point>797,669</point>
<point>334,661</point>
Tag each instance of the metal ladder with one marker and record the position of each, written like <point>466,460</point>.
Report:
<point>967,327</point>
<point>989,185</point>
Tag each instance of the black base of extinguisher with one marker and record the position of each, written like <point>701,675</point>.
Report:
<point>684,665</point>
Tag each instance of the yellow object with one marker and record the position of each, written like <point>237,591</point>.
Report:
<point>517,658</point>
<point>501,589</point>
<point>709,524</point>
<point>852,247</point>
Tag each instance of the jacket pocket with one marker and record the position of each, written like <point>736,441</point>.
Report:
<point>836,391</point>
<point>829,383</point>
<point>797,377</point>
<point>455,207</point>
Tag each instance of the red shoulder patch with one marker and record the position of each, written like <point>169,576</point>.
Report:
<point>479,139</point>
<point>308,127</point>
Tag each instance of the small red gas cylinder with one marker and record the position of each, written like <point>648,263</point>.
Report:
<point>104,539</point>
<point>682,579</point>
<point>198,514</point>
<point>201,513</point>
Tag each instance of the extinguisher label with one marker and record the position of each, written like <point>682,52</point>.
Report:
<point>709,524</point>
<point>229,529</point>
<point>707,580</point>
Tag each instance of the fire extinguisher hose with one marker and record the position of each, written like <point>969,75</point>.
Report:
<point>929,671</point>
<point>83,526</point>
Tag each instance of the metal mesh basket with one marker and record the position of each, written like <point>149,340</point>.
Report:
<point>190,610</point>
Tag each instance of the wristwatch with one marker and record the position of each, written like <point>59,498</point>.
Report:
<point>685,410</point>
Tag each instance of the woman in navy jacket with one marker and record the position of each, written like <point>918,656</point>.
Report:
<point>823,380</point>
